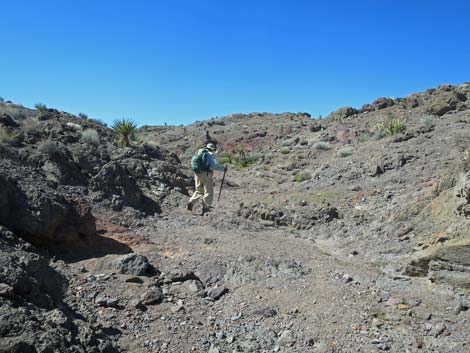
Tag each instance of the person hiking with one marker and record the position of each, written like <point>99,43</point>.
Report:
<point>203,164</point>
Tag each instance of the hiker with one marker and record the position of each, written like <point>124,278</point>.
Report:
<point>203,164</point>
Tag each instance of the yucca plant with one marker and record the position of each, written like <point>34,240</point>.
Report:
<point>124,129</point>
<point>395,126</point>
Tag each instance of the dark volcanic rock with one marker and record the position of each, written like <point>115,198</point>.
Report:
<point>7,121</point>
<point>152,296</point>
<point>134,264</point>
<point>36,210</point>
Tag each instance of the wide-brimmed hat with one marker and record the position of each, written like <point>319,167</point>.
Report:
<point>211,147</point>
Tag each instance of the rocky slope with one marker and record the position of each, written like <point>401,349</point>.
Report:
<point>343,234</point>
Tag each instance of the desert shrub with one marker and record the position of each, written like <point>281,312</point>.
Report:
<point>302,176</point>
<point>426,123</point>
<point>285,150</point>
<point>379,131</point>
<point>303,142</point>
<point>90,136</point>
<point>224,158</point>
<point>345,152</point>
<point>31,126</point>
<point>82,116</point>
<point>364,138</point>
<point>288,142</point>
<point>395,126</point>
<point>124,129</point>
<point>239,160</point>
<point>74,126</point>
<point>51,148</point>
<point>2,100</point>
<point>5,135</point>
<point>41,107</point>
<point>323,146</point>
<point>465,161</point>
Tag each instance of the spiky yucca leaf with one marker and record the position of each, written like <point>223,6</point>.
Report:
<point>395,126</point>
<point>124,129</point>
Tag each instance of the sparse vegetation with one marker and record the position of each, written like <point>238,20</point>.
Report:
<point>40,107</point>
<point>51,148</point>
<point>74,126</point>
<point>124,129</point>
<point>323,146</point>
<point>82,116</point>
<point>240,159</point>
<point>394,126</point>
<point>287,142</point>
<point>90,136</point>
<point>302,176</point>
<point>285,150</point>
<point>5,135</point>
<point>345,152</point>
<point>31,126</point>
<point>426,123</point>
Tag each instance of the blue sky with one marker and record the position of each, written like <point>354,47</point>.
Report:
<point>177,61</point>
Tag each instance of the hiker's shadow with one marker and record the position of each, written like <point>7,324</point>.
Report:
<point>88,247</point>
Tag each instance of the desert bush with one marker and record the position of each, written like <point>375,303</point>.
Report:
<point>287,142</point>
<point>465,161</point>
<point>125,130</point>
<point>239,160</point>
<point>41,107</point>
<point>31,126</point>
<point>82,116</point>
<point>302,176</point>
<point>224,158</point>
<point>345,152</point>
<point>379,131</point>
<point>51,148</point>
<point>2,100</point>
<point>323,146</point>
<point>74,126</point>
<point>5,135</point>
<point>285,150</point>
<point>395,126</point>
<point>426,123</point>
<point>90,136</point>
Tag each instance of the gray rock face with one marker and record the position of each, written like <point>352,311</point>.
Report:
<point>304,217</point>
<point>35,209</point>
<point>33,315</point>
<point>134,264</point>
<point>152,296</point>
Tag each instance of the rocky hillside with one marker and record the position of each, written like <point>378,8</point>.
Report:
<point>341,234</point>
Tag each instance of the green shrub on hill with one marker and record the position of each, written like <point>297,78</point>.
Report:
<point>124,129</point>
<point>90,136</point>
<point>302,176</point>
<point>323,146</point>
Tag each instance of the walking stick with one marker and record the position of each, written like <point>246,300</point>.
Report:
<point>221,184</point>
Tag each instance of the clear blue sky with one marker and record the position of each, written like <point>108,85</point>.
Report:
<point>178,61</point>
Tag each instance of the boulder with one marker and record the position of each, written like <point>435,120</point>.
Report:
<point>134,264</point>
<point>152,296</point>
<point>35,209</point>
<point>8,121</point>
<point>446,101</point>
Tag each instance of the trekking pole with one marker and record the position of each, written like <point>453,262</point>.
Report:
<point>221,184</point>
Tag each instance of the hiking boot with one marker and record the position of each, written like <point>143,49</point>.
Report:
<point>189,206</point>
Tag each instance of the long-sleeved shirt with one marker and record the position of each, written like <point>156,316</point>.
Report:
<point>213,165</point>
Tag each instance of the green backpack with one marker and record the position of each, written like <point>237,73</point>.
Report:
<point>200,161</point>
